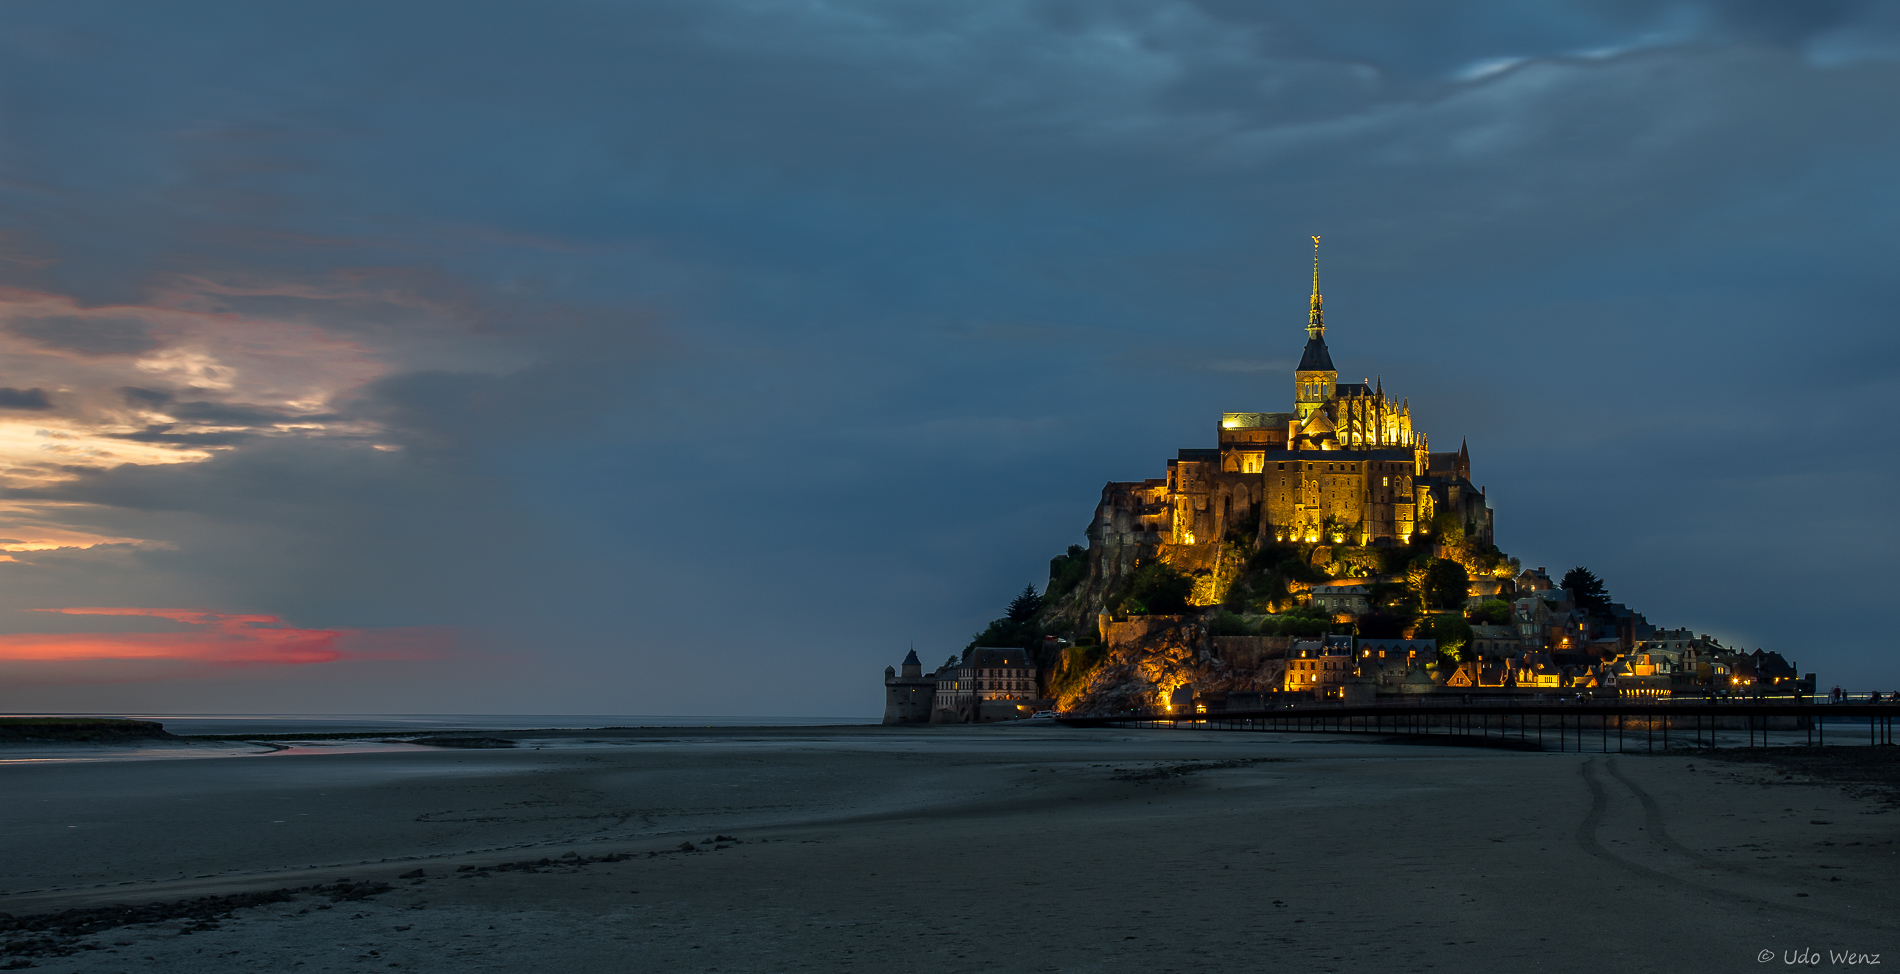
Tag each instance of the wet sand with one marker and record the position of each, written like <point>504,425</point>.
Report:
<point>954,849</point>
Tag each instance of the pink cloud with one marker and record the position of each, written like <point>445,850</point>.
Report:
<point>222,639</point>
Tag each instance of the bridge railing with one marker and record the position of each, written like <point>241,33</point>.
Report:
<point>1536,726</point>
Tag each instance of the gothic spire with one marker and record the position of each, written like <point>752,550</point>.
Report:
<point>1315,319</point>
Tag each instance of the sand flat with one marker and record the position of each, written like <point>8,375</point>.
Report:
<point>949,849</point>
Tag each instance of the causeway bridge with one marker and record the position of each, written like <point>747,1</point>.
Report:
<point>1645,724</point>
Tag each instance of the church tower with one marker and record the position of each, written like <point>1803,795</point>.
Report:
<point>1315,378</point>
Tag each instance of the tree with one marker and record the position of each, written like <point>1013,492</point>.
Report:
<point>1492,612</point>
<point>1025,605</point>
<point>1451,631</point>
<point>1587,590</point>
<point>1066,571</point>
<point>1227,623</point>
<point>1017,628</point>
<point>1448,527</point>
<point>1158,589</point>
<point>1446,584</point>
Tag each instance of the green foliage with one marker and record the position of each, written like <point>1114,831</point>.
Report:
<point>1228,624</point>
<point>1156,588</point>
<point>1268,575</point>
<point>1002,632</point>
<point>1445,584</point>
<point>1263,592</point>
<point>1393,597</point>
<point>1491,612</point>
<point>1451,630</point>
<point>1274,553</point>
<point>1447,527</point>
<point>1025,605</point>
<point>1587,590</point>
<point>1394,560</point>
<point>1306,621</point>
<point>1073,669</point>
<point>1017,628</point>
<point>1066,571</point>
<point>1244,530</point>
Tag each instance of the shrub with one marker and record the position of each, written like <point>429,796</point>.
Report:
<point>1158,589</point>
<point>1452,632</point>
<point>1229,624</point>
<point>1492,612</point>
<point>1073,669</point>
<point>1066,571</point>
<point>1446,584</point>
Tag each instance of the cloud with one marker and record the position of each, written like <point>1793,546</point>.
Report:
<point>218,639</point>
<point>29,399</point>
<point>163,433</point>
<point>146,397</point>
<point>701,309</point>
<point>242,414</point>
<point>90,337</point>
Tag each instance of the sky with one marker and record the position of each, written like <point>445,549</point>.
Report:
<point>701,357</point>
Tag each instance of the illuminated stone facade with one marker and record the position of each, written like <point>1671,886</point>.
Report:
<point>992,683</point>
<point>1345,466</point>
<point>989,683</point>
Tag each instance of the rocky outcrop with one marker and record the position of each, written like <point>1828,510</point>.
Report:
<point>1154,661</point>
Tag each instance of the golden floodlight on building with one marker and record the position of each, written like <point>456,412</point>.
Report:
<point>1343,466</point>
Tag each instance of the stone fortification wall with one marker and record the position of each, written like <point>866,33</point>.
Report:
<point>908,700</point>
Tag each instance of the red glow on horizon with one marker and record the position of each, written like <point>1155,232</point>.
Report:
<point>220,639</point>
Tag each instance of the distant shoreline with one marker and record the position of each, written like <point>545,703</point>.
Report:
<point>80,729</point>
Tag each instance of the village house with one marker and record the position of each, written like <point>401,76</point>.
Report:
<point>1318,664</point>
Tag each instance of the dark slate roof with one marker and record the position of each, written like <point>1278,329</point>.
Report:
<point>1351,389</point>
<point>911,660</point>
<point>1203,456</point>
<point>997,656</point>
<point>1316,358</point>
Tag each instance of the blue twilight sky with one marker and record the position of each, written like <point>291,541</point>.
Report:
<point>697,357</point>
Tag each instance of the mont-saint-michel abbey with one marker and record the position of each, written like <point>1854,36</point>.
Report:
<point>1345,467</point>
<point>1323,552</point>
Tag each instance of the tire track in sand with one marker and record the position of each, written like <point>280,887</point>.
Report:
<point>1658,830</point>
<point>1586,838</point>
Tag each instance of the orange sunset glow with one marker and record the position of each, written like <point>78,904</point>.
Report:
<point>220,639</point>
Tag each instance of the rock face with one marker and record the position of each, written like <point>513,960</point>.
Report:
<point>87,730</point>
<point>1153,663</point>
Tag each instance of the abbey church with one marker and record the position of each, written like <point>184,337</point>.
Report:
<point>1345,466</point>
